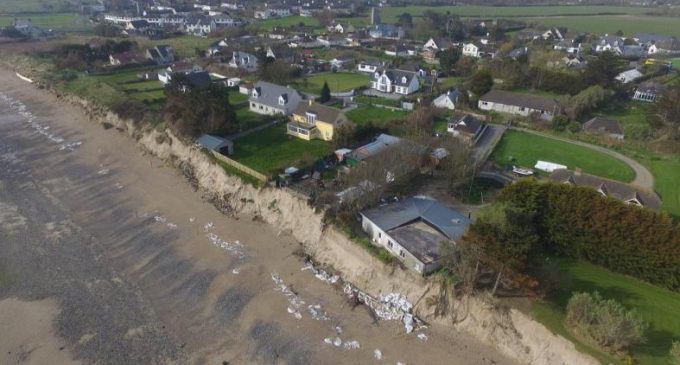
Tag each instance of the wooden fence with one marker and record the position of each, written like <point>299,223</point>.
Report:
<point>241,167</point>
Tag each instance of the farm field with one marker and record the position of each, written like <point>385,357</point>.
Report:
<point>337,82</point>
<point>524,149</point>
<point>284,22</point>
<point>390,14</point>
<point>57,21</point>
<point>659,307</point>
<point>372,114</point>
<point>629,24</point>
<point>272,150</point>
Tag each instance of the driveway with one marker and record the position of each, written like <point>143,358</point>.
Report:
<point>643,177</point>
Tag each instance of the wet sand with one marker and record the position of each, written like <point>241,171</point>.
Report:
<point>124,252</point>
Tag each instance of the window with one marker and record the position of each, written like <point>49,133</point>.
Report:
<point>379,235</point>
<point>402,253</point>
<point>311,118</point>
<point>521,108</point>
<point>390,244</point>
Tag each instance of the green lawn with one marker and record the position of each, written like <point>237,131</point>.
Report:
<point>390,14</point>
<point>337,82</point>
<point>248,119</point>
<point>666,176</point>
<point>285,22</point>
<point>602,24</point>
<point>272,150</point>
<point>449,82</point>
<point>632,115</point>
<point>659,307</point>
<point>378,116</point>
<point>184,46</point>
<point>525,149</point>
<point>236,97</point>
<point>61,21</point>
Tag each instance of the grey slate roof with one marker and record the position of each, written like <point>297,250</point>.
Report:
<point>198,79</point>
<point>468,124</point>
<point>212,142</point>
<point>380,144</point>
<point>601,124</point>
<point>451,223</point>
<point>611,188</point>
<point>521,99</point>
<point>269,95</point>
<point>397,76</point>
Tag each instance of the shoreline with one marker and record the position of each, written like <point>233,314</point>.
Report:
<point>330,247</point>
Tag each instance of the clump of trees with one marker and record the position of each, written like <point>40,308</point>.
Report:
<point>192,110</point>
<point>605,322</point>
<point>534,219</point>
<point>277,72</point>
<point>669,109</point>
<point>83,57</point>
<point>586,101</point>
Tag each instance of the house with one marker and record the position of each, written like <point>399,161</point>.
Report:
<point>312,120</point>
<point>365,152</point>
<point>569,46</point>
<point>468,128</point>
<point>604,126</point>
<point>448,100</point>
<point>609,43</point>
<point>341,63</point>
<point>27,29</point>
<point>554,34</point>
<point>341,28</point>
<point>123,58</point>
<point>655,43</point>
<point>233,82</point>
<point>396,81</point>
<point>387,31</point>
<point>517,53</point>
<point>519,104</point>
<point>370,66</point>
<point>398,50</point>
<point>242,60</point>
<point>632,51</point>
<point>479,50</point>
<point>649,91</point>
<point>198,79</point>
<point>413,230</point>
<point>629,76</point>
<point>439,44</point>
<point>161,54</point>
<point>268,13</point>
<point>185,68</point>
<point>609,188</point>
<point>271,99</point>
<point>138,25</point>
<point>217,144</point>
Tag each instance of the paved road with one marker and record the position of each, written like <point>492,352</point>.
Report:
<point>643,177</point>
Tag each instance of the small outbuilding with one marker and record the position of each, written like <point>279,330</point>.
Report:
<point>604,126</point>
<point>217,144</point>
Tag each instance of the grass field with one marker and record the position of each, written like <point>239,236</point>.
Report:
<point>59,21</point>
<point>666,176</point>
<point>376,115</point>
<point>659,307</point>
<point>602,24</point>
<point>525,149</point>
<point>390,14</point>
<point>271,150</point>
<point>337,82</point>
<point>284,22</point>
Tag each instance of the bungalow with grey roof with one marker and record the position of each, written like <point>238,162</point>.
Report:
<point>650,91</point>
<point>519,104</point>
<point>605,126</point>
<point>609,188</point>
<point>414,229</point>
<point>468,128</point>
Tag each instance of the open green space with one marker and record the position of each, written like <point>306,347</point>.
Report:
<point>524,149</point>
<point>184,46</point>
<point>248,119</point>
<point>60,21</point>
<point>658,307</point>
<point>271,150</point>
<point>337,82</point>
<point>666,176</point>
<point>449,82</point>
<point>375,115</point>
<point>609,24</point>
<point>390,14</point>
<point>285,22</point>
<point>236,97</point>
<point>38,6</point>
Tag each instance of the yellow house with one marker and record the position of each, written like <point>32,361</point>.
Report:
<point>312,120</point>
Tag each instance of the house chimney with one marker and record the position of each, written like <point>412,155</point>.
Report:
<point>578,171</point>
<point>311,101</point>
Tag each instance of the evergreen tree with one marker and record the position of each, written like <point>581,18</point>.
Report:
<point>325,93</point>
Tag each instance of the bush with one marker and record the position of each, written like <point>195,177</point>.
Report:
<point>675,353</point>
<point>605,322</point>
<point>574,127</point>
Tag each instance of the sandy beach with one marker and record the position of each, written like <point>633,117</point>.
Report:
<point>116,259</point>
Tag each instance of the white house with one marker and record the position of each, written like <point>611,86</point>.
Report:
<point>370,66</point>
<point>413,230</point>
<point>519,104</point>
<point>396,81</point>
<point>233,82</point>
<point>478,50</point>
<point>629,76</point>
<point>271,99</point>
<point>447,100</point>
<point>272,13</point>
<point>437,44</point>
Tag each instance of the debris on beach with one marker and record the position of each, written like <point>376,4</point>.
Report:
<point>422,336</point>
<point>294,302</point>
<point>236,271</point>
<point>377,354</point>
<point>159,219</point>
<point>352,345</point>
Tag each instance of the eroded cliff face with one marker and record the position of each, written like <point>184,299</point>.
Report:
<point>512,332</point>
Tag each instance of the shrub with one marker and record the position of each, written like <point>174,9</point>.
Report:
<point>675,353</point>
<point>605,322</point>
